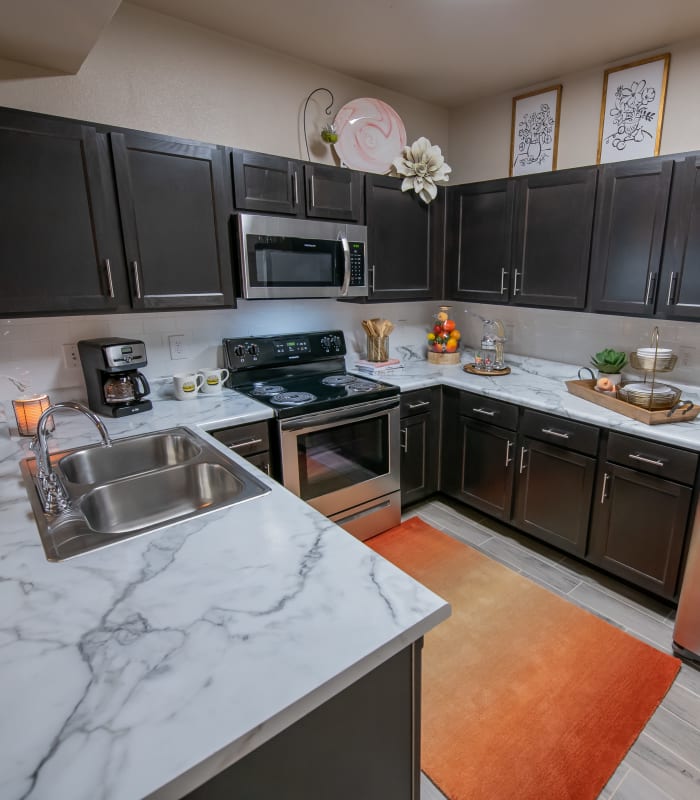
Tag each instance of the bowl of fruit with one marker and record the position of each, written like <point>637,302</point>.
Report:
<point>443,339</point>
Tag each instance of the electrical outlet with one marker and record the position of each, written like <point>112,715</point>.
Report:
<point>176,341</point>
<point>686,355</point>
<point>70,356</point>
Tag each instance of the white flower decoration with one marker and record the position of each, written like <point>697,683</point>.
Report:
<point>421,165</point>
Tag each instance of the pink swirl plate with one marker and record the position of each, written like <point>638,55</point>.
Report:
<point>370,135</point>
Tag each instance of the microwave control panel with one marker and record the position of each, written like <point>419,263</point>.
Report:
<point>357,263</point>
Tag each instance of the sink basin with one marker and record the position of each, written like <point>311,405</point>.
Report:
<point>158,497</point>
<point>139,485</point>
<point>125,457</point>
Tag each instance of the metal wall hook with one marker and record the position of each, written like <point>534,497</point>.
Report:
<point>327,111</point>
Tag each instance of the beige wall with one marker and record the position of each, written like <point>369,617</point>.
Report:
<point>154,73</point>
<point>480,132</point>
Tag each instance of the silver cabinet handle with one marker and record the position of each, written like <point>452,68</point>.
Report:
<point>371,279</point>
<point>404,440</point>
<point>137,280</point>
<point>485,412</point>
<point>516,288</point>
<point>312,185</point>
<point>671,286</point>
<point>604,493</point>
<point>509,458</point>
<point>295,194</point>
<point>523,465</point>
<point>244,443</point>
<point>503,279</point>
<point>346,266</point>
<point>110,285</point>
<point>655,462</point>
<point>420,404</point>
<point>558,434</point>
<point>651,285</point>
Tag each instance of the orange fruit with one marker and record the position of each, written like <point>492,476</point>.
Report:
<point>455,334</point>
<point>451,345</point>
<point>449,325</point>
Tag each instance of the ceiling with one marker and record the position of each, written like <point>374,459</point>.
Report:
<point>447,52</point>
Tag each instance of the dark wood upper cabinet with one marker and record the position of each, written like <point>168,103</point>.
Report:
<point>54,239</point>
<point>334,193</point>
<point>479,240</point>
<point>405,241</point>
<point>175,205</point>
<point>552,241</point>
<point>679,292</point>
<point>628,236</point>
<point>271,184</point>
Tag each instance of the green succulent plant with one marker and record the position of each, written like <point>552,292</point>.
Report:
<point>609,361</point>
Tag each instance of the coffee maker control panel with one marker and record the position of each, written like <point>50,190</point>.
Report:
<point>125,355</point>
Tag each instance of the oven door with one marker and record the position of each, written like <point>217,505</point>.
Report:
<point>338,460</point>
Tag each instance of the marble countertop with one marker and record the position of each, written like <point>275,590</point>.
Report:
<point>145,668</point>
<point>540,384</point>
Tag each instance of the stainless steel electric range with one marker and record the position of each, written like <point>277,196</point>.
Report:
<point>337,434</point>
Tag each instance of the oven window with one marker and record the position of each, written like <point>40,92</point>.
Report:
<point>336,458</point>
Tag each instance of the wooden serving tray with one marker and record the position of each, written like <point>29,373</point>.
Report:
<point>474,370</point>
<point>585,389</point>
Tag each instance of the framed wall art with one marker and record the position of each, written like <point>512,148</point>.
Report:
<point>632,111</point>
<point>534,131</point>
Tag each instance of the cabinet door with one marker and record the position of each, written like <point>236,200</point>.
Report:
<point>334,193</point>
<point>419,456</point>
<point>679,293</point>
<point>53,218</point>
<point>267,183</point>
<point>628,236</point>
<point>553,224</point>
<point>638,528</point>
<point>478,243</point>
<point>479,470</point>
<point>174,208</point>
<point>553,494</point>
<point>404,241</point>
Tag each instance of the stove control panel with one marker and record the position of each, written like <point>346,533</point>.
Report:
<point>268,351</point>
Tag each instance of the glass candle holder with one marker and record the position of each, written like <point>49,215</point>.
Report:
<point>27,412</point>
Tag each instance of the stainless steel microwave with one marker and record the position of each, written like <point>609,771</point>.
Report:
<point>289,257</point>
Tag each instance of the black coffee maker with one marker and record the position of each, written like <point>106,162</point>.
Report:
<point>115,387</point>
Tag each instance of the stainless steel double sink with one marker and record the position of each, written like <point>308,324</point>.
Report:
<point>137,485</point>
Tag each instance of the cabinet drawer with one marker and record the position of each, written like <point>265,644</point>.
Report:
<point>245,439</point>
<point>558,430</point>
<point>487,409</point>
<point>653,458</point>
<point>419,401</point>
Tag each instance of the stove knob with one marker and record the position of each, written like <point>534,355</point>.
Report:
<point>253,350</point>
<point>239,350</point>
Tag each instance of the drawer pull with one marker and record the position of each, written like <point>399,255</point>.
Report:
<point>419,404</point>
<point>245,443</point>
<point>509,458</point>
<point>485,412</point>
<point>654,462</point>
<point>523,465</point>
<point>604,493</point>
<point>558,434</point>
<point>404,440</point>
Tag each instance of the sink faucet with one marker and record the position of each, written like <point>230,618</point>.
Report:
<point>53,495</point>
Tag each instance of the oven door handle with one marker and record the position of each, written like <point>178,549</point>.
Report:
<point>321,418</point>
<point>346,266</point>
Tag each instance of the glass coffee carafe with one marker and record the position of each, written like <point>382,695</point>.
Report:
<point>125,388</point>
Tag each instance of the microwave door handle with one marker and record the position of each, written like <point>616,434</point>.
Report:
<point>346,260</point>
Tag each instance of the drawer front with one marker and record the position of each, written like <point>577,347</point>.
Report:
<point>557,430</point>
<point>419,401</point>
<point>653,458</point>
<point>487,409</point>
<point>245,439</point>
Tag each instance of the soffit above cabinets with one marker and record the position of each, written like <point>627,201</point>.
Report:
<point>56,35</point>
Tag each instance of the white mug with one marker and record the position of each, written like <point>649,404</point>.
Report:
<point>213,380</point>
<point>187,384</point>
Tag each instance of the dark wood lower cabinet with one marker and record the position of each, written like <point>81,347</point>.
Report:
<point>553,494</point>
<point>420,432</point>
<point>638,528</point>
<point>362,743</point>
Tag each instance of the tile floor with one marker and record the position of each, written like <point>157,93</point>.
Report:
<point>664,763</point>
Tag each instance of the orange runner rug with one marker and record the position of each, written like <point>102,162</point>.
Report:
<point>525,695</point>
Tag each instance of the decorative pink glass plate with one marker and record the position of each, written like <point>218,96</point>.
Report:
<point>370,135</point>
